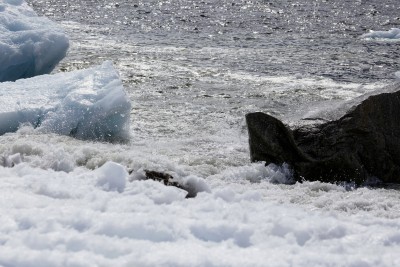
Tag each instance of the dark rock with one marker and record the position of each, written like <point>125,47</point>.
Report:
<point>168,180</point>
<point>363,144</point>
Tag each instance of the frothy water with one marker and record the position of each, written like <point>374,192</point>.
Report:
<point>193,70</point>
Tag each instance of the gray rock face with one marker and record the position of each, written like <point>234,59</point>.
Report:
<point>363,144</point>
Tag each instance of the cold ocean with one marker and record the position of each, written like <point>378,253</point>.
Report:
<point>192,70</point>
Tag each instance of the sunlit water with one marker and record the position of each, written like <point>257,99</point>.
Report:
<point>193,69</point>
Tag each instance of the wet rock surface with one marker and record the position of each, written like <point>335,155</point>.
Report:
<point>168,180</point>
<point>362,145</point>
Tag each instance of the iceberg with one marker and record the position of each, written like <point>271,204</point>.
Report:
<point>397,75</point>
<point>88,104</point>
<point>391,34</point>
<point>29,45</point>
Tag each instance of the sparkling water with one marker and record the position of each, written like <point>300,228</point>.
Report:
<point>192,70</point>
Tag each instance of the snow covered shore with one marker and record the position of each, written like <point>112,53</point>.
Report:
<point>86,104</point>
<point>29,45</point>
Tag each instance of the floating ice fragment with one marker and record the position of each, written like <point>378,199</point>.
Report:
<point>86,104</point>
<point>397,75</point>
<point>112,177</point>
<point>393,33</point>
<point>29,45</point>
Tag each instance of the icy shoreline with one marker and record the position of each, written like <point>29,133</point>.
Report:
<point>61,208</point>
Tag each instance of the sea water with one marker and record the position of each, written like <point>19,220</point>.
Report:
<point>192,70</point>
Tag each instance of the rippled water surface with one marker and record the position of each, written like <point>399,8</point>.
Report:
<point>194,59</point>
<point>267,37</point>
<point>193,69</point>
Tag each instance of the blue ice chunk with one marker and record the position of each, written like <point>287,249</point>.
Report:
<point>29,45</point>
<point>86,104</point>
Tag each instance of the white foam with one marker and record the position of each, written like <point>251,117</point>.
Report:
<point>58,219</point>
<point>87,104</point>
<point>10,160</point>
<point>245,219</point>
<point>29,45</point>
<point>339,108</point>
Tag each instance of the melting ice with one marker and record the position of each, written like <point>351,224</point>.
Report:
<point>69,202</point>
<point>392,34</point>
<point>87,104</point>
<point>29,45</point>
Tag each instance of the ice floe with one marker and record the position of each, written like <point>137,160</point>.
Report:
<point>86,104</point>
<point>29,45</point>
<point>392,34</point>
